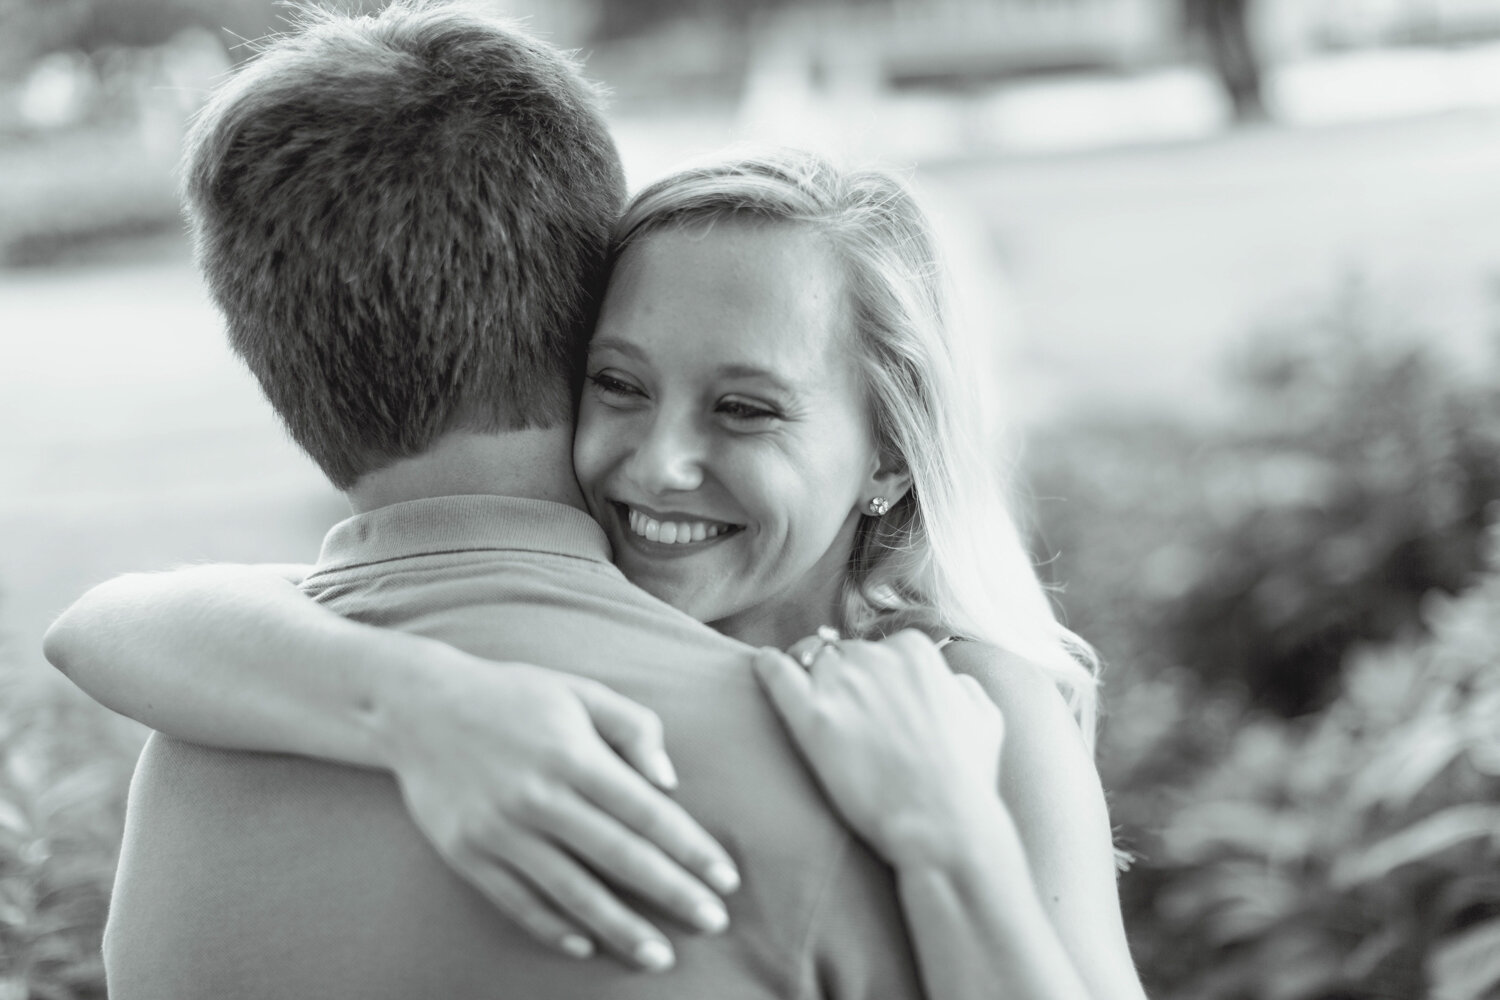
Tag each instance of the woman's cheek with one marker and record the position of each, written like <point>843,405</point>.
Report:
<point>589,450</point>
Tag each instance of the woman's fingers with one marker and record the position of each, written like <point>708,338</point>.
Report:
<point>484,781</point>
<point>570,887</point>
<point>630,727</point>
<point>521,903</point>
<point>804,650</point>
<point>589,833</point>
<point>647,817</point>
<point>787,684</point>
<point>635,733</point>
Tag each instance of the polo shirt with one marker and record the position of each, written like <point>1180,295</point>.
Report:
<point>274,876</point>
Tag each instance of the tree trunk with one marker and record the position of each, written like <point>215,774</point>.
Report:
<point>1224,27</point>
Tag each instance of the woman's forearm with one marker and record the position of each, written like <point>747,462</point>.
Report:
<point>236,656</point>
<point>975,921</point>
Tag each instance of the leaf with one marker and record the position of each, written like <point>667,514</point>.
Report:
<point>1421,840</point>
<point>1216,829</point>
<point>1374,949</point>
<point>1466,965</point>
<point>12,819</point>
<point>1408,763</point>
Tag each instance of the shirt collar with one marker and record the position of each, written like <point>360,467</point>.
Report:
<point>460,524</point>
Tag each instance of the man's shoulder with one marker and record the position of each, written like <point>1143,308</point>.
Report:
<point>233,864</point>
<point>217,807</point>
<point>523,605</point>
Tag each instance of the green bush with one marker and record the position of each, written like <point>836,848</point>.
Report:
<point>1355,853</point>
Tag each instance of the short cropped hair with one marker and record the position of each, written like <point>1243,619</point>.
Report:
<point>404,219</point>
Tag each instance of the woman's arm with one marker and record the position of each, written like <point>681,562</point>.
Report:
<point>1050,789</point>
<point>1011,894</point>
<point>220,655</point>
<point>515,774</point>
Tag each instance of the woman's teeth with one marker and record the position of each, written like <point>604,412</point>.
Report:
<point>674,532</point>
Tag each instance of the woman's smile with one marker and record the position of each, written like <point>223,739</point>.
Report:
<point>723,437</point>
<point>673,532</point>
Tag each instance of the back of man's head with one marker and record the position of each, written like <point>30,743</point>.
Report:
<point>404,219</point>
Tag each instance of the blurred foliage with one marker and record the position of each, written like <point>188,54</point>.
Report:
<point>64,765</point>
<point>1354,477</point>
<point>1354,853</point>
<point>1306,775</point>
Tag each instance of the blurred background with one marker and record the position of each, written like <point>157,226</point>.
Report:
<point>1236,262</point>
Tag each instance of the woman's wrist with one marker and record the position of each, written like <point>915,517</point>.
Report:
<point>407,683</point>
<point>977,834</point>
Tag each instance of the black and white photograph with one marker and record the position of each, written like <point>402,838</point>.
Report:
<point>750,499</point>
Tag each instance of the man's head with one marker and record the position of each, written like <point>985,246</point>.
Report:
<point>404,218</point>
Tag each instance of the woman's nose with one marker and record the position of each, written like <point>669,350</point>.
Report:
<point>669,459</point>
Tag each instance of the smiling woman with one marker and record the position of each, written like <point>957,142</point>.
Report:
<point>722,438</point>
<point>776,435</point>
<point>774,355</point>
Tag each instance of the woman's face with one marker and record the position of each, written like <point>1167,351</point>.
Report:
<point>723,439</point>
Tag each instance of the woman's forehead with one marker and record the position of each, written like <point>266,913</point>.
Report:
<point>752,292</point>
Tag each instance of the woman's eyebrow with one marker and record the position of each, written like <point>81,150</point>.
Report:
<point>617,345</point>
<point>743,370</point>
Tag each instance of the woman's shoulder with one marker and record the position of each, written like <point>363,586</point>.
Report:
<point>1011,680</point>
<point>1048,777</point>
<point>1044,743</point>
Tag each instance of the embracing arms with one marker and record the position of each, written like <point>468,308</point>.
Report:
<point>1004,895</point>
<point>530,771</point>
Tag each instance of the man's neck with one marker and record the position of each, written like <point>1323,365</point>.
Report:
<point>528,465</point>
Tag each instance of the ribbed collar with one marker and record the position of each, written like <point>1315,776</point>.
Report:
<point>461,524</point>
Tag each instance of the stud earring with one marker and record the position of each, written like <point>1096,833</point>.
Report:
<point>878,506</point>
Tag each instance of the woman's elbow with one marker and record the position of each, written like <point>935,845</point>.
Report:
<point>61,644</point>
<point>76,639</point>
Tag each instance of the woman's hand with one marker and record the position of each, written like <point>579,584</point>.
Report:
<point>908,752</point>
<point>528,781</point>
<point>532,784</point>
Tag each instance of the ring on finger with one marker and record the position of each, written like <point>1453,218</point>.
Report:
<point>828,638</point>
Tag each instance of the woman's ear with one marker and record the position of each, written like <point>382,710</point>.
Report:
<point>890,482</point>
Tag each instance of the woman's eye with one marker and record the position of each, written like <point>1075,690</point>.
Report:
<point>611,386</point>
<point>742,410</point>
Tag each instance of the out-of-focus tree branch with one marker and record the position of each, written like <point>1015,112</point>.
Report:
<point>1223,28</point>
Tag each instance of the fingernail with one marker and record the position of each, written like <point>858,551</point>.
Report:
<point>666,774</point>
<point>723,877</point>
<point>654,955</point>
<point>577,945</point>
<point>710,917</point>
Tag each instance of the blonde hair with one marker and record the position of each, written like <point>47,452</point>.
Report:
<point>947,558</point>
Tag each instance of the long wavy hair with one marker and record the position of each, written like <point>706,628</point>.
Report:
<point>947,558</point>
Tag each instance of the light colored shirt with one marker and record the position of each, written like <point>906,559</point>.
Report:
<point>246,875</point>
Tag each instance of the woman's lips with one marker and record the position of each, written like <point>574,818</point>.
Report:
<point>672,529</point>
